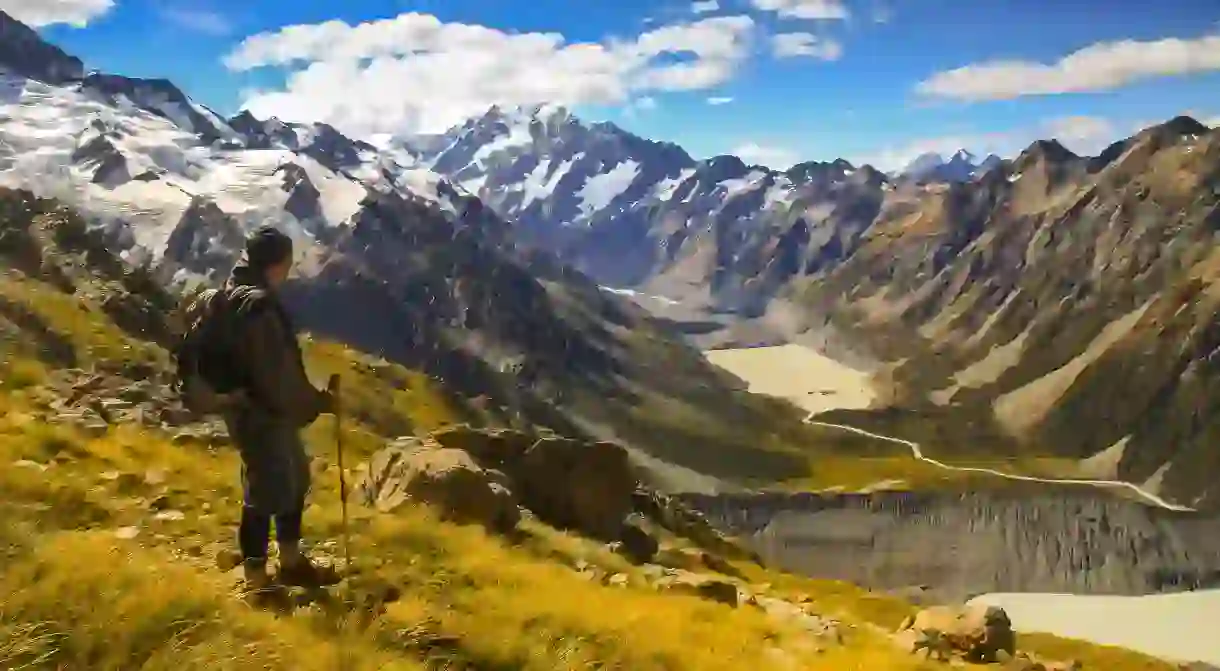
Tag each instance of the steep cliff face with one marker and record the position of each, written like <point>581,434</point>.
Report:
<point>964,544</point>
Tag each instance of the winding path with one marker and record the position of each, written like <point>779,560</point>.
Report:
<point>917,452</point>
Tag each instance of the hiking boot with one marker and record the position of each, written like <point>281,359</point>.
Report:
<point>304,572</point>
<point>256,579</point>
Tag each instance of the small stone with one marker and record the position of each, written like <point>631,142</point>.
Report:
<point>126,533</point>
<point>155,476</point>
<point>170,516</point>
<point>227,560</point>
<point>159,503</point>
<point>26,463</point>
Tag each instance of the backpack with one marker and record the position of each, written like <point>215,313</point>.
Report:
<point>208,376</point>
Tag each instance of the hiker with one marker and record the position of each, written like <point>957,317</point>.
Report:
<point>266,427</point>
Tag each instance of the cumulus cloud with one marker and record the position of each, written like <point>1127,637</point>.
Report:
<point>39,13</point>
<point>774,157</point>
<point>719,100</point>
<point>704,6</point>
<point>415,73</point>
<point>793,45</point>
<point>1097,67</point>
<point>1085,135</point>
<point>805,9</point>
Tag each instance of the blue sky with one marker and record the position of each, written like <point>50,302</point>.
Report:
<point>876,80</point>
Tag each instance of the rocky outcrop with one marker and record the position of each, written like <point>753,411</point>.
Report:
<point>978,633</point>
<point>206,241</point>
<point>573,484</point>
<point>958,545</point>
<point>410,470</point>
<point>23,52</point>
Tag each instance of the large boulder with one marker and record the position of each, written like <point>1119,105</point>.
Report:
<point>446,478</point>
<point>577,485</point>
<point>978,632</point>
<point>494,448</point>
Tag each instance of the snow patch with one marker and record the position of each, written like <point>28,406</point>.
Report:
<point>603,188</point>
<point>736,187</point>
<point>664,190</point>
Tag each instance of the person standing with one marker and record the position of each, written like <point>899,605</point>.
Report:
<point>280,402</point>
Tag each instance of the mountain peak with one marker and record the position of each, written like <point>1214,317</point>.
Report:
<point>1180,126</point>
<point>23,52</point>
<point>1048,150</point>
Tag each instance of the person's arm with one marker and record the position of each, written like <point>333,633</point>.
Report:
<point>276,373</point>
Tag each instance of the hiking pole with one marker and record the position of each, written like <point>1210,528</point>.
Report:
<point>333,387</point>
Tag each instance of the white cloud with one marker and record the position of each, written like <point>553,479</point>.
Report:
<point>196,19</point>
<point>39,13</point>
<point>774,157</point>
<point>643,104</point>
<point>1214,122</point>
<point>414,73</point>
<point>1084,135</point>
<point>792,45</point>
<point>805,9</point>
<point>704,6</point>
<point>1097,67</point>
<point>719,100</point>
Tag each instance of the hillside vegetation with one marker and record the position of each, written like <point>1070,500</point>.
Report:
<point>115,512</point>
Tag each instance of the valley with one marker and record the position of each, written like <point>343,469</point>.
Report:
<point>702,412</point>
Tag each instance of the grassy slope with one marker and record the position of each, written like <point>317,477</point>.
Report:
<point>74,595</point>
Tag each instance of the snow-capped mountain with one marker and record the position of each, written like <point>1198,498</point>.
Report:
<point>396,259</point>
<point>542,166</point>
<point>962,166</point>
<point>629,210</point>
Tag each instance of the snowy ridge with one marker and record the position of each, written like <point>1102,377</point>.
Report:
<point>136,154</point>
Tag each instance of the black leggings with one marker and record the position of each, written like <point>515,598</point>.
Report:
<point>254,535</point>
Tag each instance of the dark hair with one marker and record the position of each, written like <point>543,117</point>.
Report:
<point>268,246</point>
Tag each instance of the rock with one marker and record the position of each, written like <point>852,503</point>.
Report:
<point>170,516</point>
<point>977,631</point>
<point>444,477</point>
<point>159,503</point>
<point>705,587</point>
<point>227,560</point>
<point>496,448</point>
<point>577,485</point>
<point>694,559</point>
<point>26,463</point>
<point>790,613</point>
<point>683,521</point>
<point>126,533</point>
<point>636,543</point>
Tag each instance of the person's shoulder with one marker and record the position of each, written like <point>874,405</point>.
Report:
<point>250,301</point>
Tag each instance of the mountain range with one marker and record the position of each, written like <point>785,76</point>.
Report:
<point>1049,303</point>
<point>393,258</point>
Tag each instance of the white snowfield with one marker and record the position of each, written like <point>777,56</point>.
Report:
<point>1180,627</point>
<point>56,141</point>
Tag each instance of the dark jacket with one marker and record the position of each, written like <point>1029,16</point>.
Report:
<point>282,400</point>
